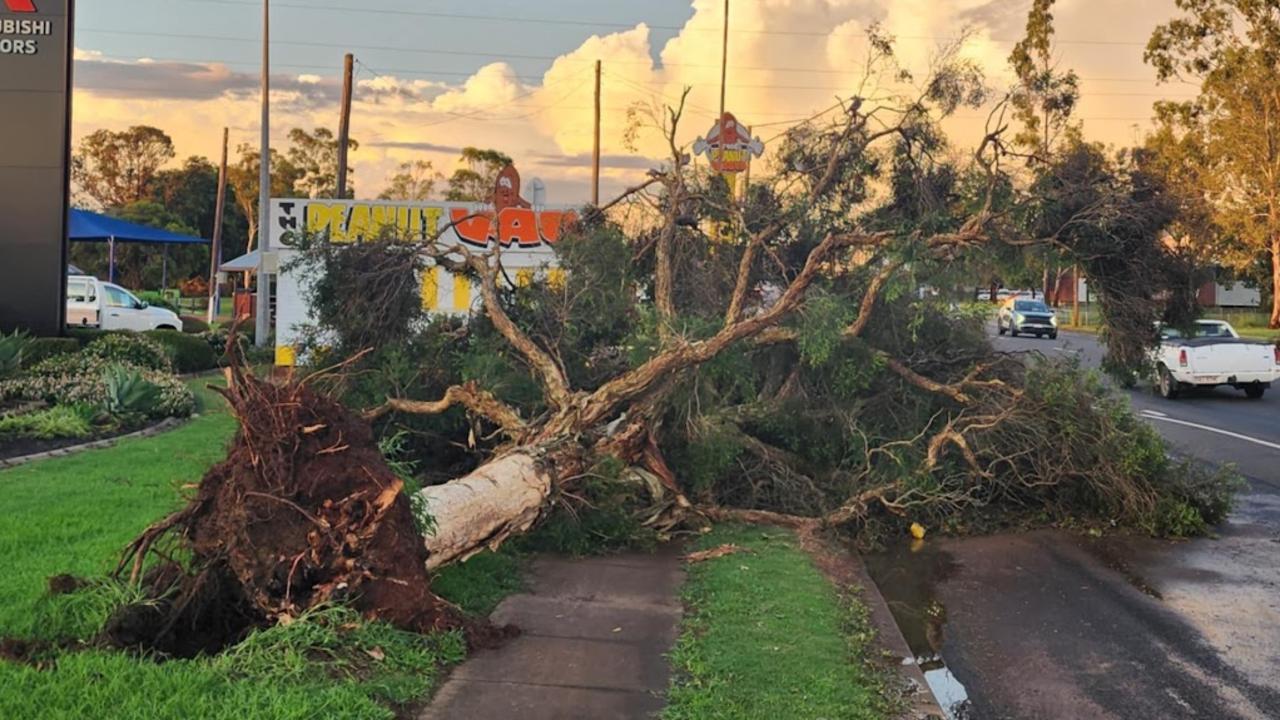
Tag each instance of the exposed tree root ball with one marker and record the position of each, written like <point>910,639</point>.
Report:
<point>304,511</point>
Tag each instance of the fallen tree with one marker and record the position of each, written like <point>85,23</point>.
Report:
<point>665,342</point>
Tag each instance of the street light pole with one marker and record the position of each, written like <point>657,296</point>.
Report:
<point>262,324</point>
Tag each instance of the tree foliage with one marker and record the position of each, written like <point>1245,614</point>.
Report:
<point>1232,47</point>
<point>314,156</point>
<point>115,168</point>
<point>797,363</point>
<point>475,180</point>
<point>414,181</point>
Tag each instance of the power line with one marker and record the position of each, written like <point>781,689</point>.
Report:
<point>625,26</point>
<point>537,78</point>
<point>459,53</point>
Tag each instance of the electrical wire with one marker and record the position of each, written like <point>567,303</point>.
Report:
<point>623,26</point>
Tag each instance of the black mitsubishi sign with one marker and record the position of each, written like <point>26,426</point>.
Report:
<point>35,141</point>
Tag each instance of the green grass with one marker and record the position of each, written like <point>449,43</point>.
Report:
<point>767,636</point>
<point>74,514</point>
<point>479,584</point>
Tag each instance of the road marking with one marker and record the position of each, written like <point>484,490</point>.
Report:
<point>1152,415</point>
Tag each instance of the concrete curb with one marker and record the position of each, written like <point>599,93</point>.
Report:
<point>924,704</point>
<point>847,573</point>
<point>160,427</point>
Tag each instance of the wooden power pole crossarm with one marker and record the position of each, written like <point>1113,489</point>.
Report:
<point>215,260</point>
<point>344,124</point>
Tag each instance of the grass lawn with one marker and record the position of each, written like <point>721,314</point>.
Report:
<point>74,514</point>
<point>767,636</point>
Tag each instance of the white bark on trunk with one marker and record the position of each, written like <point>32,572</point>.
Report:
<point>481,510</point>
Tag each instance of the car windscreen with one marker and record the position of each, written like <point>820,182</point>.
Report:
<point>1030,306</point>
<point>1211,330</point>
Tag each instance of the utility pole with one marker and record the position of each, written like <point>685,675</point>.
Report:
<point>344,125</point>
<point>595,152</point>
<point>262,324</point>
<point>1075,296</point>
<point>724,72</point>
<point>215,261</point>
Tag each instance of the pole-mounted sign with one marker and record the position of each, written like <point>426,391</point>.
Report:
<point>35,144</point>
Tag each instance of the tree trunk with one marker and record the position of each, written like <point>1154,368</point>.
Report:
<point>1275,283</point>
<point>481,510</point>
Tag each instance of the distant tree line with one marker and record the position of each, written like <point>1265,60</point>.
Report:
<point>130,174</point>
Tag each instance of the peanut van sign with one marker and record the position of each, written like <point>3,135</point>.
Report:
<point>523,233</point>
<point>510,221</point>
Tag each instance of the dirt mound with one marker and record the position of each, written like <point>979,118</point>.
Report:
<point>304,511</point>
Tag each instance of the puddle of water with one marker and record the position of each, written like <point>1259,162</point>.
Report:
<point>1114,553</point>
<point>907,577</point>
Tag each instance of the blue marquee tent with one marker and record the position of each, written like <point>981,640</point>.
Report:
<point>88,226</point>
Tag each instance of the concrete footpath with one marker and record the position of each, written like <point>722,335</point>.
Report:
<point>596,632</point>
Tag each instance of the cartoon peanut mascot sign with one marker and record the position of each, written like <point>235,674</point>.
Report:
<point>729,146</point>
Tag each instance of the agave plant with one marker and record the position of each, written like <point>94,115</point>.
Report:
<point>129,393</point>
<point>12,348</point>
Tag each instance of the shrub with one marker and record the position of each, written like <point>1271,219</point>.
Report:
<point>217,339</point>
<point>129,393</point>
<point>85,336</point>
<point>40,349</point>
<point>193,325</point>
<point>81,379</point>
<point>131,349</point>
<point>187,353</point>
<point>61,421</point>
<point>157,299</point>
<point>13,348</point>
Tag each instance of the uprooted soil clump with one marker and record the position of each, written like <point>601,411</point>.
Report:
<point>303,512</point>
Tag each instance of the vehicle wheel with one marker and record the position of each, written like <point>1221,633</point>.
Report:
<point>1013,331</point>
<point>1167,386</point>
<point>166,327</point>
<point>1053,336</point>
<point>1254,392</point>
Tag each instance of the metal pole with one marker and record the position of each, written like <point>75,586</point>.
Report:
<point>215,259</point>
<point>111,259</point>
<point>262,324</point>
<point>164,269</point>
<point>724,63</point>
<point>1075,296</point>
<point>595,152</point>
<point>344,124</point>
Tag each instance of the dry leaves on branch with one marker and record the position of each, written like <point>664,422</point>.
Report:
<point>715,552</point>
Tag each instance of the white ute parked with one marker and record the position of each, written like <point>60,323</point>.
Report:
<point>1217,355</point>
<point>106,306</point>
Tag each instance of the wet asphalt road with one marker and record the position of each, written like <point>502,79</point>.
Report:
<point>1051,624</point>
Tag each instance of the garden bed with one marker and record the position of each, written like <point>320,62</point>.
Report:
<point>24,447</point>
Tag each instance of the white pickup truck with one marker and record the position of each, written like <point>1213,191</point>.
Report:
<point>1216,355</point>
<point>106,306</point>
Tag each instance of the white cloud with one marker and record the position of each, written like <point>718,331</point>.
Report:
<point>810,52</point>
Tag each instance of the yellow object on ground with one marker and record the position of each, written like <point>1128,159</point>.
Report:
<point>286,356</point>
<point>917,531</point>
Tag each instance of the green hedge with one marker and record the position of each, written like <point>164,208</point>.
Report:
<point>155,298</point>
<point>87,335</point>
<point>38,349</point>
<point>189,353</point>
<point>192,324</point>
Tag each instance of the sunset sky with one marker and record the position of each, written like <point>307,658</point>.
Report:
<point>517,76</point>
